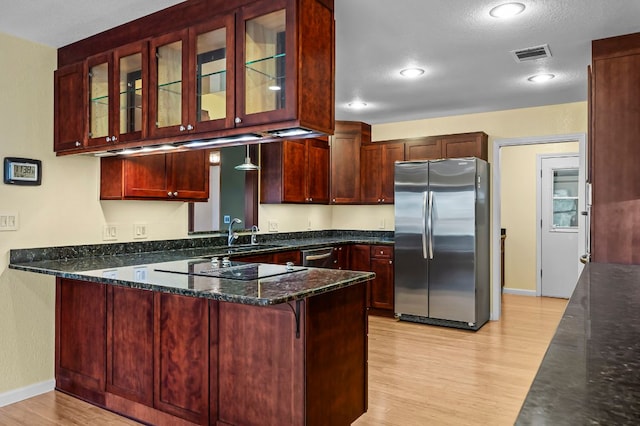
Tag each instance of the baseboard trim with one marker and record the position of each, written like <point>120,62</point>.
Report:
<point>518,291</point>
<point>17,395</point>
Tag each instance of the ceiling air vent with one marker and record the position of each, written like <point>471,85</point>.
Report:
<point>531,53</point>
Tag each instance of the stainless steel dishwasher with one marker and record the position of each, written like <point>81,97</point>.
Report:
<point>318,258</point>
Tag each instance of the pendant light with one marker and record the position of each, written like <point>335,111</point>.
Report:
<point>247,165</point>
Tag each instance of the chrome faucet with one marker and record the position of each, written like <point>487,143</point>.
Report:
<point>232,235</point>
<point>254,229</point>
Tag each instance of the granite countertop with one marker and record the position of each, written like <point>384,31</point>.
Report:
<point>591,371</point>
<point>136,265</point>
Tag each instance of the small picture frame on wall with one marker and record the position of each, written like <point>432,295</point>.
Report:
<point>22,171</point>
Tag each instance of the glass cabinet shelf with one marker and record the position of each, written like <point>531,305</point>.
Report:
<point>267,58</point>
<point>100,100</point>
<point>171,87</point>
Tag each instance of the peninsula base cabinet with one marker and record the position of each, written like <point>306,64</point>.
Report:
<point>169,359</point>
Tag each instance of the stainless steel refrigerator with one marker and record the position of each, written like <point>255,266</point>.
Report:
<point>442,242</point>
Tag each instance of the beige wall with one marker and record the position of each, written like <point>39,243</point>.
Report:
<point>65,209</point>
<point>518,180</point>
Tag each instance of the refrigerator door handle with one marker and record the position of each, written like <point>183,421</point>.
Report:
<point>430,225</point>
<point>424,224</point>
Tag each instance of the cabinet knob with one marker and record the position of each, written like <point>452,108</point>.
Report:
<point>113,139</point>
<point>182,128</point>
<point>78,143</point>
<point>238,120</point>
<point>189,127</point>
<point>175,194</point>
<point>383,200</point>
<point>334,200</point>
<point>169,193</point>
<point>391,262</point>
<point>108,139</point>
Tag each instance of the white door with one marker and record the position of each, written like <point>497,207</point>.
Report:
<point>560,219</point>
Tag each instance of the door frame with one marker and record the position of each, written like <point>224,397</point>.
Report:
<point>581,208</point>
<point>581,138</point>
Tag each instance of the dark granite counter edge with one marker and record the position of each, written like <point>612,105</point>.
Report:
<point>591,369</point>
<point>22,256</point>
<point>224,297</point>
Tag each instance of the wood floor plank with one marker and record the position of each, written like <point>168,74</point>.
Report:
<point>418,374</point>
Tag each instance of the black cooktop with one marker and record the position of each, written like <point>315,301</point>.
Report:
<point>235,270</point>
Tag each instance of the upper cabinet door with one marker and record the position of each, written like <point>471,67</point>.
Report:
<point>131,75</point>
<point>69,107</point>
<point>213,71</point>
<point>100,111</point>
<point>266,70</point>
<point>169,99</point>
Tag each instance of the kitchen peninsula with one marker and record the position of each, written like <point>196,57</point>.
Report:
<point>159,338</point>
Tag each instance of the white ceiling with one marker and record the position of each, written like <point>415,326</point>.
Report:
<point>465,52</point>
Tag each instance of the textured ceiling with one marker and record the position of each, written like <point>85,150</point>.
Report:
<point>465,52</point>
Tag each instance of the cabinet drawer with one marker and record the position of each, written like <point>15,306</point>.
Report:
<point>385,252</point>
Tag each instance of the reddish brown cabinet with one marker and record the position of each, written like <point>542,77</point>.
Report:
<point>614,149</point>
<point>345,143</point>
<point>382,286</point>
<point>81,338</point>
<point>377,171</point>
<point>446,146</point>
<point>295,172</point>
<point>244,67</point>
<point>380,290</point>
<point>130,344</point>
<point>69,107</point>
<point>182,176</point>
<point>181,361</point>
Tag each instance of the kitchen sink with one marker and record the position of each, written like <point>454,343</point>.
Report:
<point>240,249</point>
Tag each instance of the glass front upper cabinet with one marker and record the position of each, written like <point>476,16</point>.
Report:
<point>99,75</point>
<point>214,88</point>
<point>265,65</point>
<point>130,95</point>
<point>565,198</point>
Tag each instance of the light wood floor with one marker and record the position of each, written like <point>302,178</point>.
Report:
<point>418,374</point>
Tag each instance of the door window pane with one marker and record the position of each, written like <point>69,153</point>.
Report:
<point>170,85</point>
<point>99,100</point>
<point>211,77</point>
<point>131,93</point>
<point>565,198</point>
<point>265,53</point>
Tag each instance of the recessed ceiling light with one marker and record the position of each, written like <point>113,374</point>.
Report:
<point>356,105</point>
<point>411,72</point>
<point>541,78</point>
<point>506,10</point>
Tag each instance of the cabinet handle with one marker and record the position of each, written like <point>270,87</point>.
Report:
<point>238,120</point>
<point>182,128</point>
<point>189,127</point>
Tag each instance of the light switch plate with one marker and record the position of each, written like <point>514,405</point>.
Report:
<point>140,231</point>
<point>8,221</point>
<point>273,226</point>
<point>109,233</point>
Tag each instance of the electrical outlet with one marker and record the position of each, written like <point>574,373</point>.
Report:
<point>273,226</point>
<point>140,273</point>
<point>382,224</point>
<point>9,221</point>
<point>109,233</point>
<point>309,224</point>
<point>140,231</point>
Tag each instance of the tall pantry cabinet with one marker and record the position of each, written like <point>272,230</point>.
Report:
<point>614,149</point>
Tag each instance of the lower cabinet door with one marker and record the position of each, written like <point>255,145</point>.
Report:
<point>130,344</point>
<point>382,285</point>
<point>182,356</point>
<point>81,338</point>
